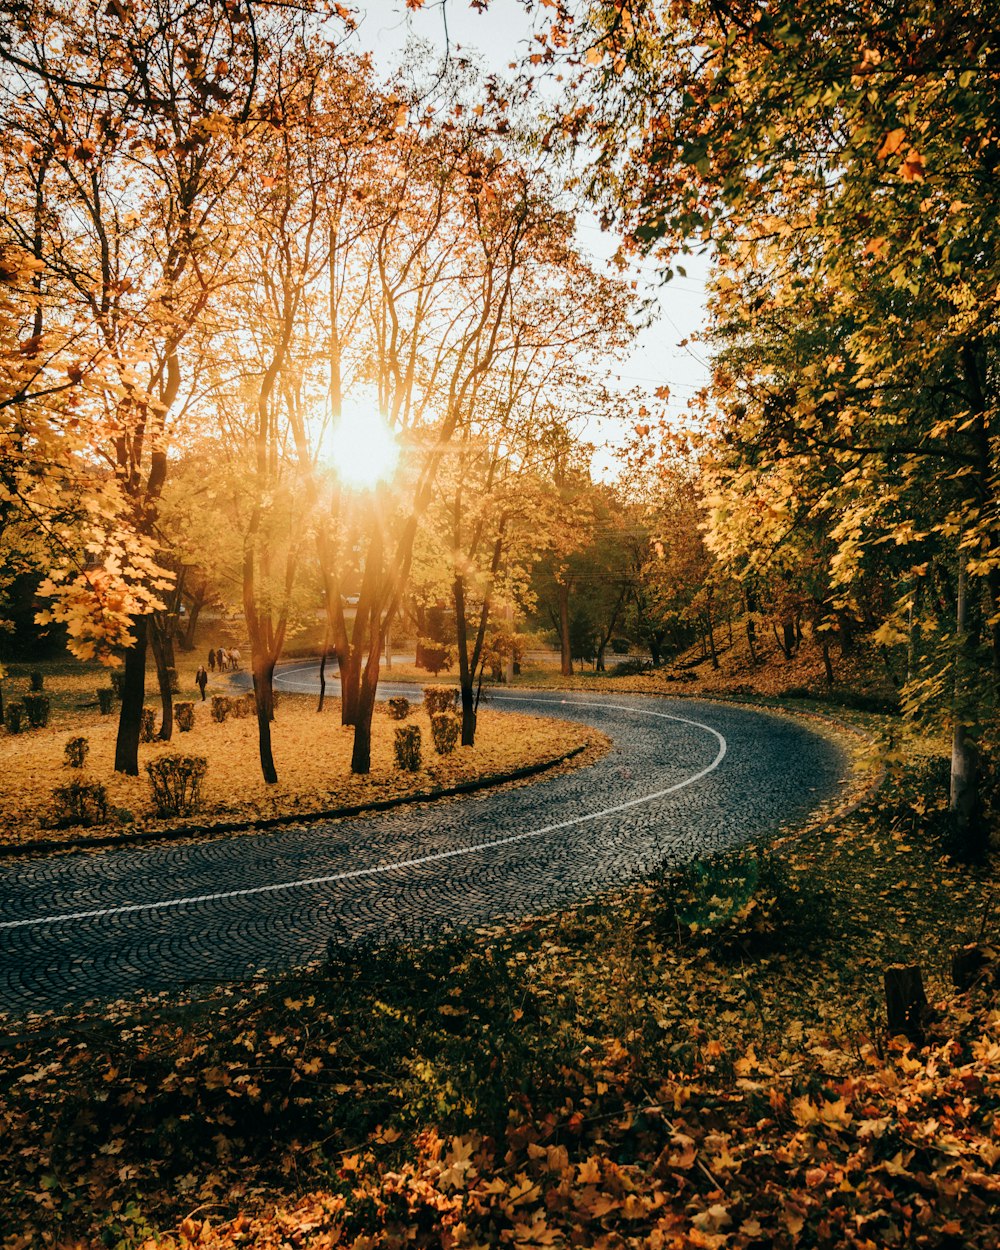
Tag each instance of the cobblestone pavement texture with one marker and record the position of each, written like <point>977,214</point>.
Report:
<point>179,917</point>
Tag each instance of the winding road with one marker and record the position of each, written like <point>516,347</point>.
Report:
<point>683,778</point>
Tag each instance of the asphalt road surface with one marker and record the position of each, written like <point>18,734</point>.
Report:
<point>684,778</point>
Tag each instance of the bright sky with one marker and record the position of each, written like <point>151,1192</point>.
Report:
<point>499,36</point>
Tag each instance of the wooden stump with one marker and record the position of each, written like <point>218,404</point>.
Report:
<point>905,1001</point>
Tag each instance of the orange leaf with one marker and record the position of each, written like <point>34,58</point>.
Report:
<point>893,142</point>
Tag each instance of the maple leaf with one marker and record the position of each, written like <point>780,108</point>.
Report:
<point>892,143</point>
<point>912,168</point>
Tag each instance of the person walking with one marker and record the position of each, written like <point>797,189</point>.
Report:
<point>211,658</point>
<point>201,679</point>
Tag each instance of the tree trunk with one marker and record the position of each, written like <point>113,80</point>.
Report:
<point>198,599</point>
<point>710,632</point>
<point>157,642</point>
<point>361,755</point>
<point>905,1001</point>
<point>964,795</point>
<point>263,689</point>
<point>565,655</point>
<point>350,686</point>
<point>788,638</point>
<point>465,674</point>
<point>322,676</point>
<point>827,663</point>
<point>133,694</point>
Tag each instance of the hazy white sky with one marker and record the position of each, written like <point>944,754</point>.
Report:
<point>499,36</point>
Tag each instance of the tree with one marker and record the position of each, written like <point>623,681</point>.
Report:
<point>131,126</point>
<point>842,161</point>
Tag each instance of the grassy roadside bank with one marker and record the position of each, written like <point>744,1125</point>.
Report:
<point>312,753</point>
<point>701,1061</point>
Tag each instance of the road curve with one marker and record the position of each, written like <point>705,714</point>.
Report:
<point>683,778</point>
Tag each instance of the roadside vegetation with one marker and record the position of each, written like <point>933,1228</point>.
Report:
<point>702,1060</point>
<point>314,748</point>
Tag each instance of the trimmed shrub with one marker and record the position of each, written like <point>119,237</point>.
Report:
<point>184,717</point>
<point>80,803</point>
<point>399,708</point>
<point>117,676</point>
<point>76,752</point>
<point>408,748</point>
<point>106,698</point>
<point>173,681</point>
<point>444,730</point>
<point>14,718</point>
<point>176,782</point>
<point>37,681</point>
<point>221,707</point>
<point>147,725</point>
<point>37,708</point>
<point>245,704</point>
<point>440,699</point>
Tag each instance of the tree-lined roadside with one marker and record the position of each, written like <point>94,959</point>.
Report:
<point>701,1059</point>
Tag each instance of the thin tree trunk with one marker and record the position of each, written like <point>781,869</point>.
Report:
<point>465,675</point>
<point>963,790</point>
<point>710,631</point>
<point>133,695</point>
<point>158,644</point>
<point>565,656</point>
<point>198,599</point>
<point>827,663</point>
<point>322,673</point>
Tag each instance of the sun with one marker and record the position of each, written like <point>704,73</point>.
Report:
<point>360,447</point>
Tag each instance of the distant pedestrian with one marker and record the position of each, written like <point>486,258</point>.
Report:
<point>201,679</point>
<point>211,659</point>
<point>222,659</point>
<point>234,659</point>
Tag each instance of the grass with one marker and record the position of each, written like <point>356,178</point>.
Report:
<point>312,754</point>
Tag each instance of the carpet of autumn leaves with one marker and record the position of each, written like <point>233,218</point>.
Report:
<point>633,1073</point>
<point>312,753</point>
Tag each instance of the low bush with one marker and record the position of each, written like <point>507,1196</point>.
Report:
<point>244,705</point>
<point>631,667</point>
<point>37,681</point>
<point>444,730</point>
<point>408,748</point>
<point>399,708</point>
<point>739,900</point>
<point>620,646</point>
<point>37,708</point>
<point>80,803</point>
<point>14,718</point>
<point>147,725</point>
<point>221,707</point>
<point>440,699</point>
<point>184,717</point>
<point>173,681</point>
<point>76,752</point>
<point>106,698</point>
<point>176,782</point>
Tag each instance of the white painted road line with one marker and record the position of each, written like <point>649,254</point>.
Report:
<point>437,857</point>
